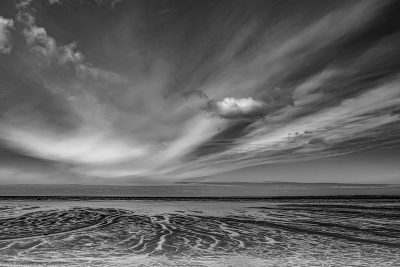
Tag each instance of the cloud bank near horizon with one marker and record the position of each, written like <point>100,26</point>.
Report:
<point>175,90</point>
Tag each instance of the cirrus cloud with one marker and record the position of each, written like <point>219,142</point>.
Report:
<point>95,90</point>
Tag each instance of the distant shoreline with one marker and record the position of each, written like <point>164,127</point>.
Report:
<point>199,191</point>
<point>77,198</point>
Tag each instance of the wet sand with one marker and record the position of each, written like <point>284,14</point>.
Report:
<point>285,232</point>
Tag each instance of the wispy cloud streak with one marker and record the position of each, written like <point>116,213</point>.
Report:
<point>132,91</point>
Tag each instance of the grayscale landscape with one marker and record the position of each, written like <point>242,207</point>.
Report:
<point>260,133</point>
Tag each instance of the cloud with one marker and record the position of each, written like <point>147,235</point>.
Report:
<point>120,97</point>
<point>86,146</point>
<point>41,43</point>
<point>194,132</point>
<point>355,124</point>
<point>23,4</point>
<point>354,117</point>
<point>308,91</point>
<point>238,108</point>
<point>5,37</point>
<point>56,56</point>
<point>52,2</point>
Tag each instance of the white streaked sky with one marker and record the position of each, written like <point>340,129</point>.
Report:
<point>110,91</point>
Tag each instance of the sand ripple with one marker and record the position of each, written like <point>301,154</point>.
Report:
<point>287,234</point>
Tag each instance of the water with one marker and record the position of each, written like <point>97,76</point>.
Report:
<point>292,232</point>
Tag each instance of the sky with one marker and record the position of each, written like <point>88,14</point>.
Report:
<point>107,92</point>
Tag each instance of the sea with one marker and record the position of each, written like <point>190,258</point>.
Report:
<point>281,231</point>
